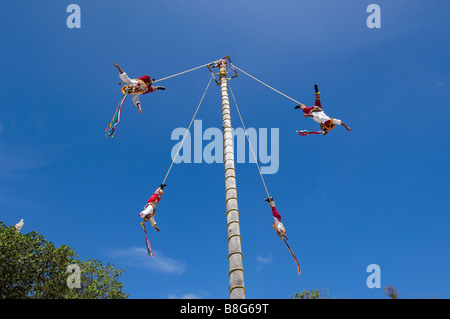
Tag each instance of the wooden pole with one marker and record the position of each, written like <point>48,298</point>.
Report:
<point>236,270</point>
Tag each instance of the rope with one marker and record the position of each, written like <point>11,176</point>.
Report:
<point>268,86</point>
<point>184,137</point>
<point>251,148</point>
<point>171,76</point>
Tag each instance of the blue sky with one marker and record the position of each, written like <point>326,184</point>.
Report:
<point>376,195</point>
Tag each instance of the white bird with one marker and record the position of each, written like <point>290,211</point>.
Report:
<point>19,225</point>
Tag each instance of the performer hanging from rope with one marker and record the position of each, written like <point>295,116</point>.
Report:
<point>317,114</point>
<point>277,224</point>
<point>148,214</point>
<point>281,232</point>
<point>138,86</point>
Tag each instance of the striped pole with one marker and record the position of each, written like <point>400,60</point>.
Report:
<point>236,270</point>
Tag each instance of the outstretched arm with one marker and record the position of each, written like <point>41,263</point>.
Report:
<point>118,67</point>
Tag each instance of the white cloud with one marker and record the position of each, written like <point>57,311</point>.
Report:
<point>190,295</point>
<point>438,85</point>
<point>185,296</point>
<point>138,257</point>
<point>263,260</point>
<point>23,158</point>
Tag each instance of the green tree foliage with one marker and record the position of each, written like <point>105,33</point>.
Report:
<point>33,268</point>
<point>312,294</point>
<point>391,292</point>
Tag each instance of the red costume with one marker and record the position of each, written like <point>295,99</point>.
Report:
<point>277,224</point>
<point>317,103</point>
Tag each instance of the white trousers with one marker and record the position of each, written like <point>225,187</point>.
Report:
<point>149,211</point>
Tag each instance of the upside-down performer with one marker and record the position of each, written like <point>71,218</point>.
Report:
<point>277,224</point>
<point>137,86</point>
<point>149,212</point>
<point>317,114</point>
<point>279,228</point>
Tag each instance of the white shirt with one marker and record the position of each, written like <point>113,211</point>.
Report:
<point>135,96</point>
<point>320,117</point>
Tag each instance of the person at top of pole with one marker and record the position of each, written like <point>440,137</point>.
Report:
<point>219,63</point>
<point>142,84</point>
<point>149,212</point>
<point>317,114</point>
<point>277,224</point>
